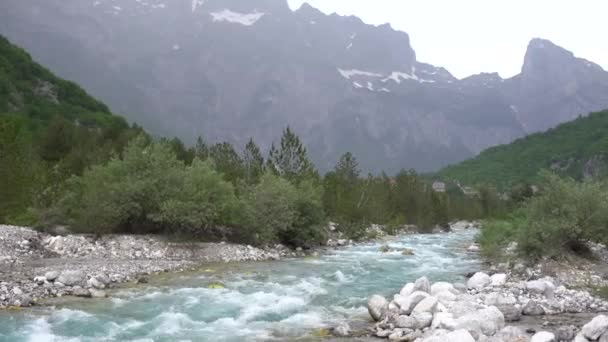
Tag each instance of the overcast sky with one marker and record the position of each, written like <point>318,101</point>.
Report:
<point>472,36</point>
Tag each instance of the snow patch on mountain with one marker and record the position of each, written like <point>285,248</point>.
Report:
<point>354,72</point>
<point>196,4</point>
<point>246,19</point>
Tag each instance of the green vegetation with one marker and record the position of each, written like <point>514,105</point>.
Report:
<point>49,129</point>
<point>555,222</point>
<point>565,149</point>
<point>66,160</point>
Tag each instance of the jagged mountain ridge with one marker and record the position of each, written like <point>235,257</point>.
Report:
<point>231,69</point>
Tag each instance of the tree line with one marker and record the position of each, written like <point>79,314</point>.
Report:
<point>118,179</point>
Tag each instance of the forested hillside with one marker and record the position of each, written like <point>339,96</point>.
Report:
<point>578,149</point>
<point>66,160</point>
<point>49,129</point>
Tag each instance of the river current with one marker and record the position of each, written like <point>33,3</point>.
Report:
<point>280,300</point>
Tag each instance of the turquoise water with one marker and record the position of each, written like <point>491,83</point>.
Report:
<point>281,300</point>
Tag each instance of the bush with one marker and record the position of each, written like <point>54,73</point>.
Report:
<point>497,234</point>
<point>124,194</point>
<point>559,220</point>
<point>204,202</point>
<point>277,211</point>
<point>565,215</point>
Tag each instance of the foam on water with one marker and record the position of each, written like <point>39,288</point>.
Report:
<point>261,301</point>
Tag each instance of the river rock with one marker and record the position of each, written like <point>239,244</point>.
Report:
<point>544,287</point>
<point>565,333</point>
<point>596,328</point>
<point>377,306</point>
<point>486,321</point>
<point>423,319</point>
<point>407,290</point>
<point>532,308</point>
<point>342,330</point>
<point>446,296</point>
<point>40,280</point>
<point>71,278</point>
<point>408,303</point>
<point>499,279</point>
<point>423,285</point>
<point>460,335</point>
<point>512,313</point>
<point>443,320</point>
<point>442,286</point>
<point>543,336</point>
<point>51,275</point>
<point>478,281</point>
<point>95,293</point>
<point>428,304</point>
<point>80,292</point>
<point>580,338</point>
<point>93,282</point>
<point>510,334</point>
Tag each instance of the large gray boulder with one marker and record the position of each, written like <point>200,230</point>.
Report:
<point>428,304</point>
<point>479,281</point>
<point>407,290</point>
<point>543,336</point>
<point>408,303</point>
<point>596,328</point>
<point>512,313</point>
<point>532,308</point>
<point>71,278</point>
<point>377,306</point>
<point>51,275</point>
<point>442,286</point>
<point>443,320</point>
<point>423,285</point>
<point>486,321</point>
<point>499,279</point>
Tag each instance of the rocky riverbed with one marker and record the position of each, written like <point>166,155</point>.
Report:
<point>495,308</point>
<point>35,265</point>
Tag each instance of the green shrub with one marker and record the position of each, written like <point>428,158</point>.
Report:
<point>565,215</point>
<point>204,202</point>
<point>496,235</point>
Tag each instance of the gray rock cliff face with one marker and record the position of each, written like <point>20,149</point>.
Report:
<point>234,69</point>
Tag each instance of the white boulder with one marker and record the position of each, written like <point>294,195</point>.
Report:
<point>596,328</point>
<point>408,303</point>
<point>377,307</point>
<point>407,290</point>
<point>499,279</point>
<point>543,336</point>
<point>479,281</point>
<point>422,284</point>
<point>428,304</point>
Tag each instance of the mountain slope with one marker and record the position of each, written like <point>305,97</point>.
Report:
<point>50,129</point>
<point>578,148</point>
<point>234,69</point>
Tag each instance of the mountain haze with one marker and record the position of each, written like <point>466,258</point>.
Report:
<point>234,69</point>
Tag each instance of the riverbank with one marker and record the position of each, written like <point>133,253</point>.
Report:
<point>515,301</point>
<point>36,265</point>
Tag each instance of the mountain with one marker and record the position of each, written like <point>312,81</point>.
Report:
<point>234,69</point>
<point>578,148</point>
<point>32,93</point>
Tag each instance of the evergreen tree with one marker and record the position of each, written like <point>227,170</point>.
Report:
<point>227,161</point>
<point>290,159</point>
<point>254,162</point>
<point>201,149</point>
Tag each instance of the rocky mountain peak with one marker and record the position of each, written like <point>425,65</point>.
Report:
<point>544,56</point>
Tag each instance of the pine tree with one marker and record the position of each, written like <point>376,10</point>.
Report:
<point>290,160</point>
<point>347,169</point>
<point>253,162</point>
<point>201,149</point>
<point>227,161</point>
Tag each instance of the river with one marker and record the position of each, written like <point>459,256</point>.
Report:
<point>280,300</point>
